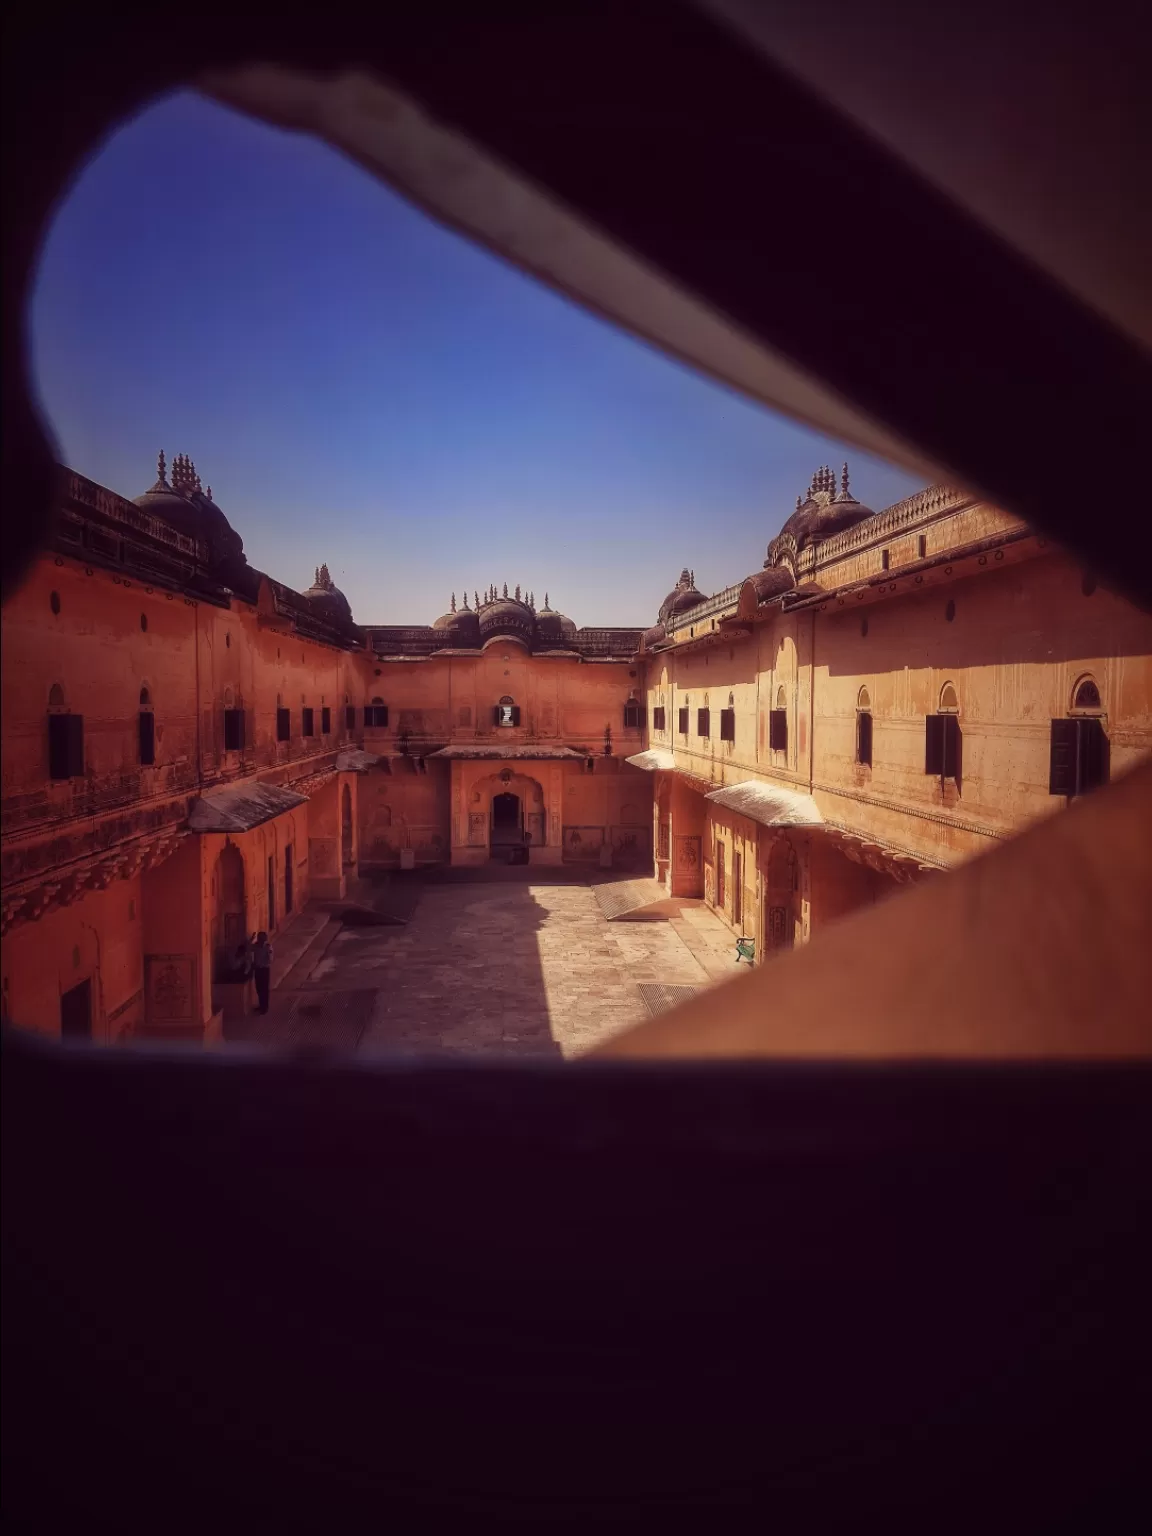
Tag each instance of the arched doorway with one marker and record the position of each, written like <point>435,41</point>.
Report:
<point>229,912</point>
<point>346,852</point>
<point>507,828</point>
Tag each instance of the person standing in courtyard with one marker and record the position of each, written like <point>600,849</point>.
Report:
<point>262,957</point>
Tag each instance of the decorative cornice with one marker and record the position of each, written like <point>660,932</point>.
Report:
<point>63,887</point>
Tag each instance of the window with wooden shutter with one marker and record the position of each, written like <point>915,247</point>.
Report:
<point>1078,757</point>
<point>325,721</point>
<point>515,714</point>
<point>376,714</point>
<point>934,745</point>
<point>658,718</point>
<point>952,743</point>
<point>146,736</point>
<point>233,730</point>
<point>727,725</point>
<point>65,746</point>
<point>703,722</point>
<point>864,737</point>
<point>308,722</point>
<point>778,730</point>
<point>283,725</point>
<point>682,721</point>
<point>632,716</point>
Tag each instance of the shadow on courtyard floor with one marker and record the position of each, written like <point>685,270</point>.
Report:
<point>459,974</point>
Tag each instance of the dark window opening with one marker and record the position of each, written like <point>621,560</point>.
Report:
<point>283,725</point>
<point>885,559</point>
<point>288,872</point>
<point>682,721</point>
<point>76,1012</point>
<point>942,746</point>
<point>376,713</point>
<point>146,726</point>
<point>325,721</point>
<point>633,717</point>
<point>507,714</point>
<point>1087,696</point>
<point>922,546</point>
<point>65,746</point>
<point>308,726</point>
<point>864,737</point>
<point>703,722</point>
<point>727,725</point>
<point>659,718</point>
<point>1078,760</point>
<point>233,730</point>
<point>778,730</point>
<point>350,717</point>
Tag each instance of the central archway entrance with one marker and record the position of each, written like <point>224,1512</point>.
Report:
<point>507,829</point>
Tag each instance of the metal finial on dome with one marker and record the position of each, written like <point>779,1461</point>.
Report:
<point>799,502</point>
<point>844,482</point>
<point>505,589</point>
<point>476,599</point>
<point>452,605</point>
<point>464,602</point>
<point>325,578</point>
<point>693,578</point>
<point>161,473</point>
<point>547,604</point>
<point>517,591</point>
<point>208,492</point>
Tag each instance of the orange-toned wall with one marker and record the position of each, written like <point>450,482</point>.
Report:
<point>97,938</point>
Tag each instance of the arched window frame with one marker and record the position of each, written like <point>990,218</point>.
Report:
<point>864,727</point>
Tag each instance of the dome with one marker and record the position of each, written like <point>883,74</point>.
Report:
<point>506,616</point>
<point>460,625</point>
<point>184,504</point>
<point>683,596</point>
<point>554,625</point>
<point>652,637</point>
<point>822,513</point>
<point>327,596</point>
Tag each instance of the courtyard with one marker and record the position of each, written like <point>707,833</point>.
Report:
<point>514,963</point>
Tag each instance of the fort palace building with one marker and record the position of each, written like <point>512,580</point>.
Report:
<point>193,750</point>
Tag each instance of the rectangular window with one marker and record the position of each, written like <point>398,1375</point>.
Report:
<point>682,721</point>
<point>658,718</point>
<point>307,727</point>
<point>288,873</point>
<point>864,738</point>
<point>65,746</point>
<point>146,735</point>
<point>885,559</point>
<point>283,725</point>
<point>233,730</point>
<point>778,730</point>
<point>350,717</point>
<point>633,718</point>
<point>1078,759</point>
<point>727,725</point>
<point>922,546</point>
<point>942,746</point>
<point>721,871</point>
<point>703,722</point>
<point>325,721</point>
<point>507,714</point>
<point>376,715</point>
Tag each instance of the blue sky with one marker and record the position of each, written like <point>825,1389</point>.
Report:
<point>361,387</point>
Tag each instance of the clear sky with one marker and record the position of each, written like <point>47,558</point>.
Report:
<point>361,387</point>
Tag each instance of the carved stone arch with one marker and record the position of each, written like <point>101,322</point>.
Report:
<point>949,699</point>
<point>57,698</point>
<point>1086,696</point>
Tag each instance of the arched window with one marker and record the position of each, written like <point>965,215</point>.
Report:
<point>1079,751</point>
<point>146,729</point>
<point>507,713</point>
<point>1086,695</point>
<point>778,722</point>
<point>659,714</point>
<point>376,713</point>
<point>864,728</point>
<point>682,716</point>
<point>56,697</point>
<point>633,712</point>
<point>942,738</point>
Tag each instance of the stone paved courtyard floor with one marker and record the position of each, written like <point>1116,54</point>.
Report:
<point>526,967</point>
